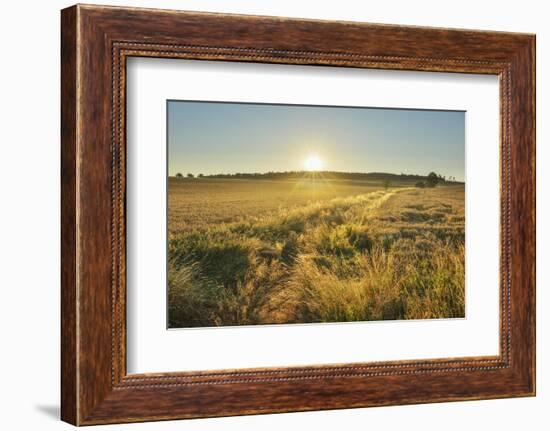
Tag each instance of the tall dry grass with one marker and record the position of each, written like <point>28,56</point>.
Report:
<point>376,256</point>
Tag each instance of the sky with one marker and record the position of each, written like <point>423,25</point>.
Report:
<point>214,137</point>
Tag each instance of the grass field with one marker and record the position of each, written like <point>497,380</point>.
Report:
<point>246,252</point>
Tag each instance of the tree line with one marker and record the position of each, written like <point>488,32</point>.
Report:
<point>430,180</point>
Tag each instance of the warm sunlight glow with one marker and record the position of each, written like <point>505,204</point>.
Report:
<point>313,163</point>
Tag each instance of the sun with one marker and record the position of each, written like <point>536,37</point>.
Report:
<point>313,163</point>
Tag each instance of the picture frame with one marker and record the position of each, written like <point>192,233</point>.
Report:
<point>96,42</point>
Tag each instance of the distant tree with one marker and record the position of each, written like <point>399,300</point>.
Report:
<point>432,179</point>
<point>386,184</point>
<point>178,175</point>
<point>420,184</point>
<point>190,176</point>
<point>200,175</point>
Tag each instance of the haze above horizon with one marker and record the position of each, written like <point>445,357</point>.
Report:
<point>228,138</point>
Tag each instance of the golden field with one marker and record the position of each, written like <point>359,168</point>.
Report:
<point>248,252</point>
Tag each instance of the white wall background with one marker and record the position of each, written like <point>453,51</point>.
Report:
<point>29,215</point>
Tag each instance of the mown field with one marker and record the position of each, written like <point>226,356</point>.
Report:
<point>247,252</point>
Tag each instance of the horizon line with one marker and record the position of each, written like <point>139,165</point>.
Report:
<point>303,171</point>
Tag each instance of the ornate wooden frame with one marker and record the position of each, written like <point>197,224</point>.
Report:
<point>96,41</point>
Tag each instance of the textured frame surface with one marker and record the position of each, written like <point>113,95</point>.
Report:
<point>96,41</point>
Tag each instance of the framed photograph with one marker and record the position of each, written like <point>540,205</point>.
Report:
<point>264,215</point>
